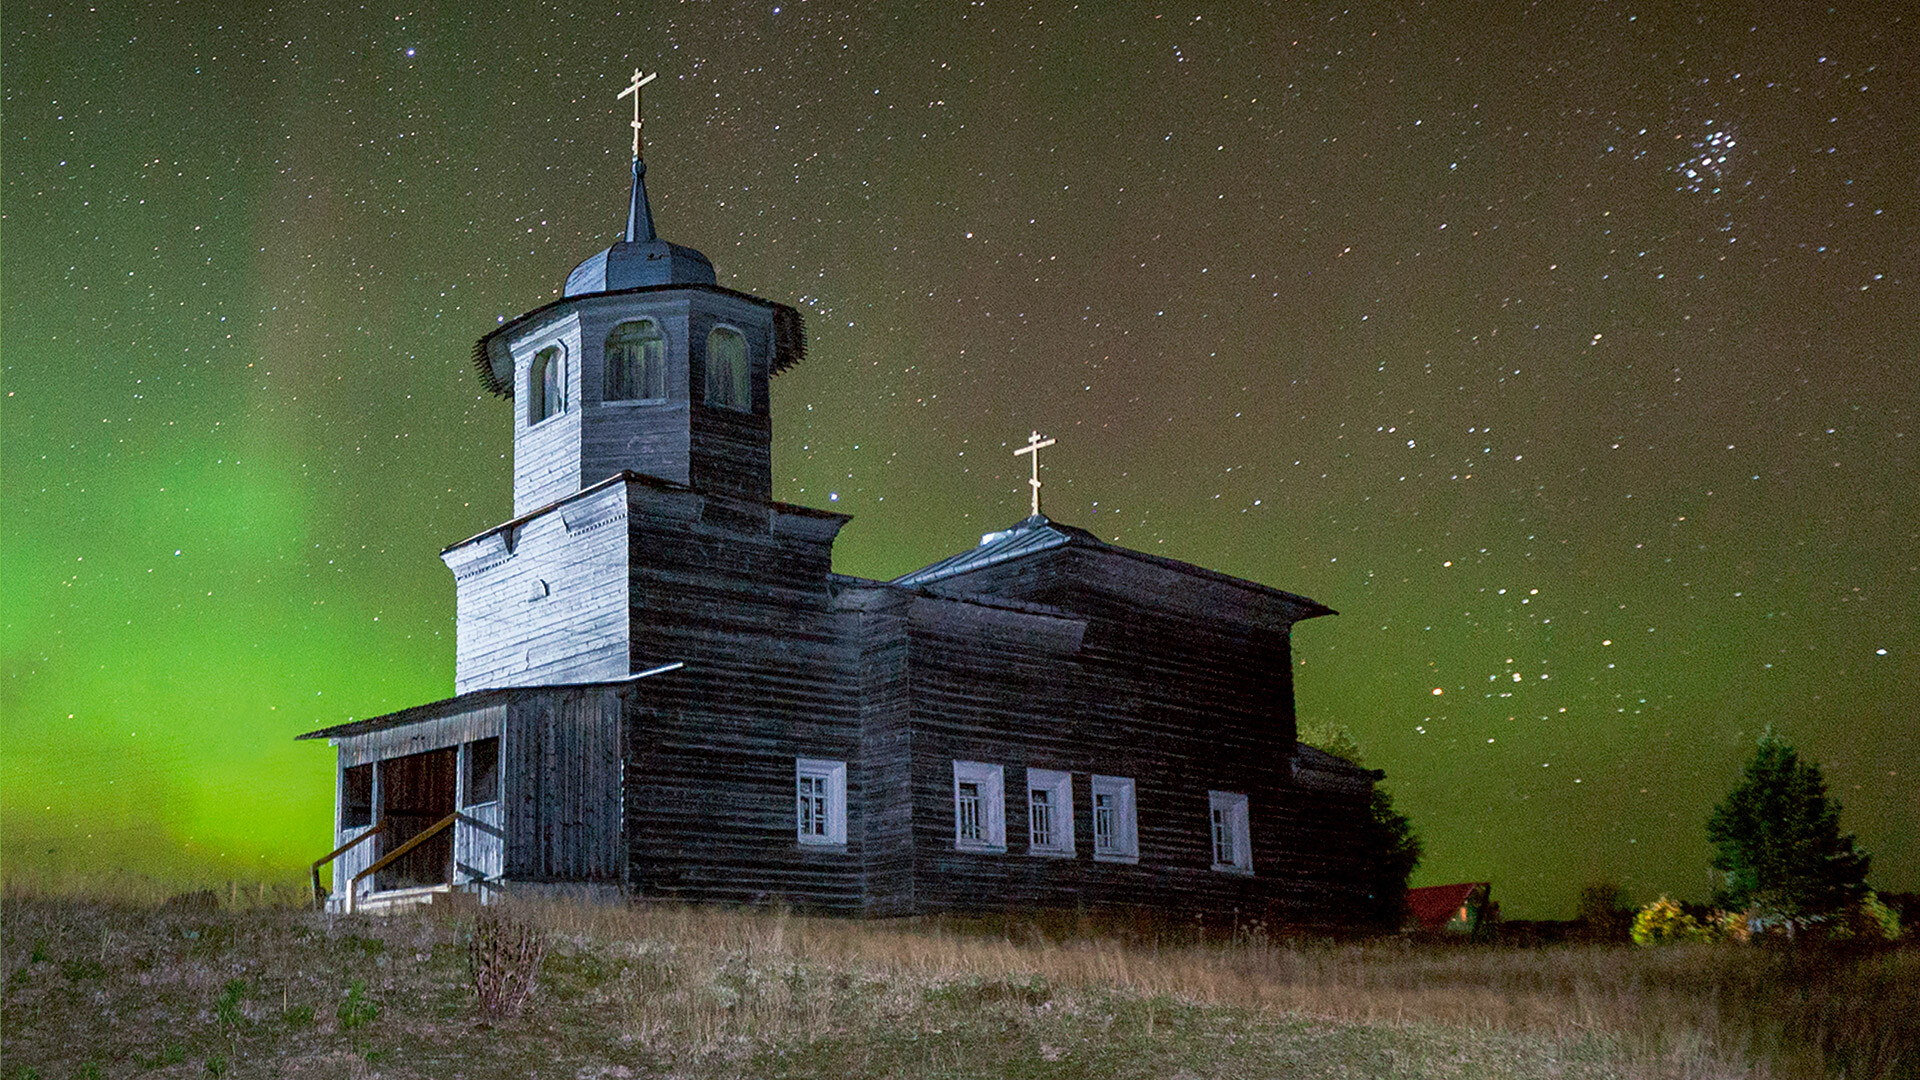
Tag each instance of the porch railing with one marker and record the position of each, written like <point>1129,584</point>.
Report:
<point>319,892</point>
<point>353,884</point>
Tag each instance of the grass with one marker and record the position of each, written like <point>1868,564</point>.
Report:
<point>242,986</point>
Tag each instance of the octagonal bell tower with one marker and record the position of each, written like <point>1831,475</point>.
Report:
<point>644,364</point>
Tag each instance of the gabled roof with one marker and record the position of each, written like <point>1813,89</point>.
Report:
<point>1436,905</point>
<point>1038,534</point>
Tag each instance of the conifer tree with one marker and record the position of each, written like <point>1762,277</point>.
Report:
<point>1391,846</point>
<point>1777,839</point>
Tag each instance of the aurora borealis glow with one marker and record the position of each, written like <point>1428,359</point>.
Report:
<point>1573,355</point>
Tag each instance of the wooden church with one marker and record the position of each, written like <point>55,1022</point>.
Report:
<point>664,690</point>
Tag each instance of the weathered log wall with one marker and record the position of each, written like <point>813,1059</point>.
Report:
<point>738,592</point>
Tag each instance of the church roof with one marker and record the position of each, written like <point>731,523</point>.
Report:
<point>494,362</point>
<point>473,699</point>
<point>637,262</point>
<point>1038,534</point>
<point>639,257</point>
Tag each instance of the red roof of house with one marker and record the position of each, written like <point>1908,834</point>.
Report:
<point>1436,905</point>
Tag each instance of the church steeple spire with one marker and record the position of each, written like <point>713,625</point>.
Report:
<point>640,257</point>
<point>639,214</point>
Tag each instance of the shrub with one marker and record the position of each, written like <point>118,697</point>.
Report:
<point>504,955</point>
<point>1868,920</point>
<point>1603,912</point>
<point>1663,922</point>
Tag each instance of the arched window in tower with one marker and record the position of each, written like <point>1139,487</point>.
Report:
<point>546,385</point>
<point>727,383</point>
<point>636,362</point>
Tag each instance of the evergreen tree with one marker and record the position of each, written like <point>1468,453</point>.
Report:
<point>1392,847</point>
<point>1777,838</point>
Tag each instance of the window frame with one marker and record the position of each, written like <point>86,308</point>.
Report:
<point>833,774</point>
<point>1228,810</point>
<point>1058,787</point>
<point>1125,841</point>
<point>549,357</point>
<point>607,367</point>
<point>991,790</point>
<point>740,380</point>
<point>470,778</point>
<point>355,814</point>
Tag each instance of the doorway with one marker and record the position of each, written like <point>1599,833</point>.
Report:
<point>416,791</point>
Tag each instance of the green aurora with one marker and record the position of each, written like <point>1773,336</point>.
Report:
<point>1605,465</point>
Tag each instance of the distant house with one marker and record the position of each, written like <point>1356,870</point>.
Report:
<point>665,691</point>
<point>1466,908</point>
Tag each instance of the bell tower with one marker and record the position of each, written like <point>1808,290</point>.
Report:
<point>644,364</point>
<point>642,473</point>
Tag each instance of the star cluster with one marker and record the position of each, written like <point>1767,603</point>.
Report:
<point>1569,352</point>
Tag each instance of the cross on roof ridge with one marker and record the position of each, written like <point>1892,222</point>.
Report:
<point>1034,443</point>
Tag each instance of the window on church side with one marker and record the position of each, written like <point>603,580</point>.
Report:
<point>727,383</point>
<point>483,772</point>
<point>1232,847</point>
<point>356,797</point>
<point>1115,837</point>
<point>979,809</point>
<point>546,385</point>
<point>820,801</point>
<point>1049,812</point>
<point>636,368</point>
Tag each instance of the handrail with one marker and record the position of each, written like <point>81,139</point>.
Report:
<point>419,838</point>
<point>339,851</point>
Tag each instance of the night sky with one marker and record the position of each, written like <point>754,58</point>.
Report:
<point>1572,353</point>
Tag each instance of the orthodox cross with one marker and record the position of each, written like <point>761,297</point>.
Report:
<point>634,89</point>
<point>1034,443</point>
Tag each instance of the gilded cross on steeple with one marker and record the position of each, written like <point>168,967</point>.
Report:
<point>1034,443</point>
<point>634,89</point>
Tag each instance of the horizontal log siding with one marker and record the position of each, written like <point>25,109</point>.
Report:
<point>731,450</point>
<point>770,675</point>
<point>562,773</point>
<point>547,604</point>
<point>546,456</point>
<point>886,743</point>
<point>1180,702</point>
<point>651,437</point>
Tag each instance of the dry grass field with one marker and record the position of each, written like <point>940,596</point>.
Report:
<point>242,983</point>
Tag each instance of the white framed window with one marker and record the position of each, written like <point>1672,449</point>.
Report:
<point>979,807</point>
<point>1232,840</point>
<point>820,801</point>
<point>1115,837</point>
<point>1049,812</point>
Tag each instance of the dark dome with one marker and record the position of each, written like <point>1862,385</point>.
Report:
<point>640,257</point>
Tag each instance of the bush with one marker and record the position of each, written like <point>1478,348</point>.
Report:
<point>504,955</point>
<point>1663,922</point>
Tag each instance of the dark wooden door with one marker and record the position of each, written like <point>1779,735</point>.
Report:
<point>416,791</point>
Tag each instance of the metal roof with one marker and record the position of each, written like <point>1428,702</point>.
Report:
<point>1032,535</point>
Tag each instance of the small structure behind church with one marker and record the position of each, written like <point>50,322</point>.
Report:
<point>1466,909</point>
<point>664,690</point>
